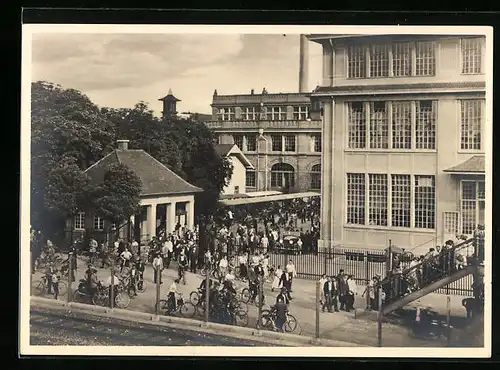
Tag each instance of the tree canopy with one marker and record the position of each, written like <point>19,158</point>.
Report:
<point>69,133</point>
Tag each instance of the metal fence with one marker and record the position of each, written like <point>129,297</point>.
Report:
<point>363,264</point>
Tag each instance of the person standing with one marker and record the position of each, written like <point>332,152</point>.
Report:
<point>140,267</point>
<point>49,272</point>
<point>193,258</point>
<point>281,311</point>
<point>277,279</point>
<point>56,276</point>
<point>352,293</point>
<point>264,241</point>
<point>322,282</point>
<point>328,292</point>
<point>292,273</point>
<point>158,268</point>
<point>343,291</point>
<point>242,260</point>
<point>164,253</point>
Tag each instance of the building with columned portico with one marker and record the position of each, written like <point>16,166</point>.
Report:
<point>166,199</point>
<point>404,131</point>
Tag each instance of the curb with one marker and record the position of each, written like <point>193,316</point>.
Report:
<point>263,336</point>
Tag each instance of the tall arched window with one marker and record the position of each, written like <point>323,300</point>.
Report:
<point>316,177</point>
<point>282,175</point>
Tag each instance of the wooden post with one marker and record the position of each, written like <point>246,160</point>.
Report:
<point>379,318</point>
<point>318,295</point>
<point>158,291</point>
<point>367,270</point>
<point>207,293</point>
<point>112,287</point>
<point>261,301</point>
<point>70,275</point>
<point>448,315</point>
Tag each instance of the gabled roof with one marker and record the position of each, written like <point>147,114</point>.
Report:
<point>169,96</point>
<point>226,150</point>
<point>472,165</point>
<point>156,178</point>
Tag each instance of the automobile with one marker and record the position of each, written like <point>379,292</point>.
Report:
<point>290,245</point>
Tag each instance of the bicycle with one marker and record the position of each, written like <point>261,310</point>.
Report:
<point>41,286</point>
<point>101,297</point>
<point>246,296</point>
<point>214,272</point>
<point>186,309</point>
<point>141,283</point>
<point>268,320</point>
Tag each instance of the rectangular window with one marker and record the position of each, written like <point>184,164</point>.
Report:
<point>379,126</point>
<point>80,221</point>
<point>356,62</point>
<point>401,125</point>
<point>236,190</point>
<point>276,143</point>
<point>450,223</point>
<point>425,202</point>
<point>290,143</point>
<point>425,125</point>
<point>401,60</point>
<point>317,143</point>
<point>471,55</point>
<point>425,64</point>
<point>471,117</point>
<point>249,113</point>
<point>377,199</point>
<point>238,140</point>
<point>356,198</point>
<point>379,61</point>
<point>250,179</point>
<point>401,189</point>
<point>276,113</point>
<point>356,126</point>
<point>98,223</point>
<point>472,205</point>
<point>300,113</point>
<point>251,143</point>
<point>226,114</point>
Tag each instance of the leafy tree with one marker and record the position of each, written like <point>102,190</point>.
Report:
<point>66,129</point>
<point>118,197</point>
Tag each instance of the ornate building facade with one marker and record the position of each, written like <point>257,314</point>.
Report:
<point>278,133</point>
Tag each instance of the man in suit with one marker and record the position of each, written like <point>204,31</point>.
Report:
<point>343,289</point>
<point>329,293</point>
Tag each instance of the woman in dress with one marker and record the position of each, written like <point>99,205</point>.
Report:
<point>277,283</point>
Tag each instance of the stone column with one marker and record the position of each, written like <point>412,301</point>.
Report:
<point>170,217</point>
<point>151,220</point>
<point>190,214</point>
<point>144,224</point>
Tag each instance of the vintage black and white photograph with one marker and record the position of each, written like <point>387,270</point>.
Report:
<point>244,190</point>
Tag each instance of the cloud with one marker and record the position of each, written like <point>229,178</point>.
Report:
<point>118,70</point>
<point>93,62</point>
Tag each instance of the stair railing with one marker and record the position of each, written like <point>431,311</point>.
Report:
<point>431,269</point>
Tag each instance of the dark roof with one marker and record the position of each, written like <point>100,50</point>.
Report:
<point>223,149</point>
<point>472,165</point>
<point>169,96</point>
<point>363,89</point>
<point>156,178</point>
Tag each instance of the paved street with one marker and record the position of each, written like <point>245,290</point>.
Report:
<point>338,326</point>
<point>55,328</point>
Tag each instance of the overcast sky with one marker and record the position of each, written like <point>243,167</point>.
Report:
<point>119,70</point>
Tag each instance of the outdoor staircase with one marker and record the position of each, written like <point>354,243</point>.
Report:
<point>386,309</point>
<point>446,275</point>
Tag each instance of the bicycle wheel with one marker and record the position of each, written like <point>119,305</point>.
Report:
<point>203,271</point>
<point>241,318</point>
<point>41,288</point>
<point>142,286</point>
<point>266,320</point>
<point>194,297</point>
<point>245,295</point>
<point>122,300</point>
<point>100,299</point>
<point>63,288</point>
<point>161,307</point>
<point>290,324</point>
<point>187,309</point>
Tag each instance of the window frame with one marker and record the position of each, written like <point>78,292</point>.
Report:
<point>245,114</point>
<point>315,177</point>
<point>80,216</point>
<point>361,120</point>
<point>317,143</point>
<point>226,114</point>
<point>254,141</point>
<point>239,136</point>
<point>99,222</point>
<point>254,175</point>
<point>365,49</point>
<point>481,45</point>
<point>300,112</point>
<point>276,113</point>
<point>482,106</point>
<point>477,200</point>
<point>282,173</point>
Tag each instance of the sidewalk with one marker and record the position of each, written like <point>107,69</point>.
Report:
<point>335,326</point>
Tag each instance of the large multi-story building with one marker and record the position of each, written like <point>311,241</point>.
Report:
<point>403,139</point>
<point>277,133</point>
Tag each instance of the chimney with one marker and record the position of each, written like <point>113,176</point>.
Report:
<point>122,144</point>
<point>252,92</point>
<point>303,64</point>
